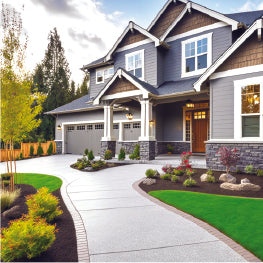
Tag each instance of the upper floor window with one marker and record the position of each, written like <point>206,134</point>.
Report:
<point>196,55</point>
<point>135,63</point>
<point>104,73</point>
<point>248,108</point>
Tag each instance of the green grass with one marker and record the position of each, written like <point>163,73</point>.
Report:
<point>40,180</point>
<point>239,218</point>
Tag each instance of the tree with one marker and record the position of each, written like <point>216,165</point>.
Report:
<point>84,89</point>
<point>72,91</point>
<point>18,106</point>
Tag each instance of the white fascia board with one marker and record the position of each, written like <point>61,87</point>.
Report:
<point>126,94</point>
<point>146,33</point>
<point>176,21</point>
<point>216,15</point>
<point>228,52</point>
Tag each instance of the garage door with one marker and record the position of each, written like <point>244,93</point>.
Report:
<point>131,131</point>
<point>80,137</point>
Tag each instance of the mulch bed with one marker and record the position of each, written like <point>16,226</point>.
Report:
<point>204,187</point>
<point>108,165</point>
<point>64,248</point>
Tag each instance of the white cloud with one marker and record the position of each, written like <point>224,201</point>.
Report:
<point>250,6</point>
<point>86,34</point>
<point>260,7</point>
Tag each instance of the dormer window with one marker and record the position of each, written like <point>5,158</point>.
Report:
<point>196,55</point>
<point>135,64</point>
<point>103,74</point>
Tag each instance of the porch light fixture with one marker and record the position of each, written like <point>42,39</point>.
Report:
<point>152,123</point>
<point>129,116</point>
<point>59,127</point>
<point>189,104</point>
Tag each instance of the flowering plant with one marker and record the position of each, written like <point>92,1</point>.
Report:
<point>167,169</point>
<point>229,157</point>
<point>185,160</point>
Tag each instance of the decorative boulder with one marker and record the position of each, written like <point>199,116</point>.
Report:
<point>245,181</point>
<point>240,187</point>
<point>227,178</point>
<point>12,213</point>
<point>204,177</point>
<point>149,181</point>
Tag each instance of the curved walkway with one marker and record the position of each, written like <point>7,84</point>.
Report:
<point>120,224</point>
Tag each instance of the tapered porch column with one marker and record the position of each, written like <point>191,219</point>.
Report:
<point>108,142</point>
<point>147,139</point>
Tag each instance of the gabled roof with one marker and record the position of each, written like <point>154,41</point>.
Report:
<point>257,25</point>
<point>96,63</point>
<point>142,86</point>
<point>143,31</point>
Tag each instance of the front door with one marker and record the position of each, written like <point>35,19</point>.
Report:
<point>199,130</point>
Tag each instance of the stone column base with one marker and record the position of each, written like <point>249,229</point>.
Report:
<point>107,145</point>
<point>58,147</point>
<point>147,150</point>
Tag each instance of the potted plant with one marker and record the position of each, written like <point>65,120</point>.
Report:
<point>170,149</point>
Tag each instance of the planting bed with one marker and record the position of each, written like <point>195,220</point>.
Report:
<point>64,248</point>
<point>204,187</point>
<point>107,165</point>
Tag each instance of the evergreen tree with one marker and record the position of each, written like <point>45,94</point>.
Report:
<point>38,80</point>
<point>72,91</point>
<point>78,93</point>
<point>84,89</point>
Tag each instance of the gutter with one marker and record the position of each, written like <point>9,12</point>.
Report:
<point>72,111</point>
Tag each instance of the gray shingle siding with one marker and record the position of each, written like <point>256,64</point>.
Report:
<point>222,106</point>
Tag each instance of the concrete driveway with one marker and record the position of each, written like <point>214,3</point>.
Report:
<point>122,225</point>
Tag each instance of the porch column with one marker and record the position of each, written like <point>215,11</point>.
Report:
<point>147,139</point>
<point>108,142</point>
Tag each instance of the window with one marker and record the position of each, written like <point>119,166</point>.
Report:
<point>127,125</point>
<point>115,126</point>
<point>196,55</point>
<point>200,115</point>
<point>249,108</point>
<point>81,127</point>
<point>104,73</point>
<point>99,126</point>
<point>137,125</point>
<point>135,64</point>
<point>71,128</point>
<point>188,126</point>
<point>89,127</point>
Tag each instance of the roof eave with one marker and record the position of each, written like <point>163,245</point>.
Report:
<point>72,111</point>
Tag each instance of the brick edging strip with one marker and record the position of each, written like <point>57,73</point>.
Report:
<point>81,235</point>
<point>213,231</point>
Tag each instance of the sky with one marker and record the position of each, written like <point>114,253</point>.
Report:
<point>89,28</point>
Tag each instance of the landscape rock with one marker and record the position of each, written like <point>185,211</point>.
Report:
<point>13,212</point>
<point>245,181</point>
<point>204,177</point>
<point>240,187</point>
<point>149,181</point>
<point>228,178</point>
<point>157,174</point>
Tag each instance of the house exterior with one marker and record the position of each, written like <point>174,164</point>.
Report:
<point>193,79</point>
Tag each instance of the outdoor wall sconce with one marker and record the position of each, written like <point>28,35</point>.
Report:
<point>189,104</point>
<point>152,123</point>
<point>129,116</point>
<point>59,127</point>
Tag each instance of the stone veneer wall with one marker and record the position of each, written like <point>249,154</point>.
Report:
<point>147,150</point>
<point>250,153</point>
<point>107,145</point>
<point>179,147</point>
<point>58,147</point>
<point>128,146</point>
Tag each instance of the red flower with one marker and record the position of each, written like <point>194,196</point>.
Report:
<point>235,150</point>
<point>188,166</point>
<point>186,161</point>
<point>191,170</point>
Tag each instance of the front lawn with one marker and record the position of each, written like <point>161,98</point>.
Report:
<point>40,180</point>
<point>239,218</point>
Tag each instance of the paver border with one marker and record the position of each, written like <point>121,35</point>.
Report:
<point>213,231</point>
<point>81,235</point>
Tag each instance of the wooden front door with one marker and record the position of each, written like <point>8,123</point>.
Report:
<point>199,130</point>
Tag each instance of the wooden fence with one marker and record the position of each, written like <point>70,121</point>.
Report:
<point>25,149</point>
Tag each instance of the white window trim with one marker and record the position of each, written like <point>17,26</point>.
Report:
<point>209,55</point>
<point>133,54</point>
<point>238,84</point>
<point>103,77</point>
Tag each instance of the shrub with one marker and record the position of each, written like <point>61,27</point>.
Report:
<point>50,149</point>
<point>170,148</point>
<point>238,171</point>
<point>174,178</point>
<point>121,156</point>
<point>6,183</point>
<point>108,155</point>
<point>211,179</point>
<point>229,157</point>
<point>7,198</point>
<point>21,157</point>
<point>86,152</point>
<point>185,160</point>
<point>39,150</point>
<point>43,204</point>
<point>26,238</point>
<point>91,156</point>
<point>167,169</point>
<point>31,151</point>
<point>150,173</point>
<point>5,176</point>
<point>259,172</point>
<point>209,172</point>
<point>250,169</point>
<point>81,166</point>
<point>166,177</point>
<point>136,153</point>
<point>189,182</point>
<point>98,164</point>
<point>179,171</point>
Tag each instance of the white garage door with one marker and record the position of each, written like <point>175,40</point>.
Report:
<point>84,136</point>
